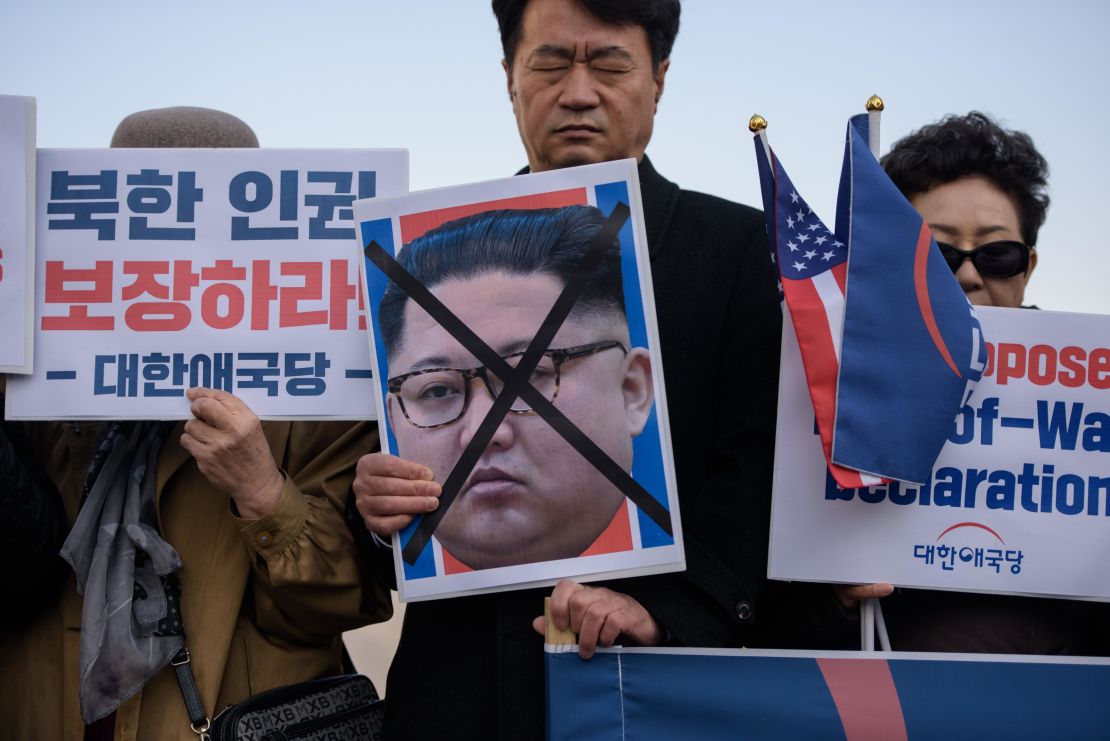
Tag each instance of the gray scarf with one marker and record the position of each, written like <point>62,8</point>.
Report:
<point>125,571</point>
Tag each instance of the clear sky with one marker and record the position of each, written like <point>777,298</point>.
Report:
<point>426,75</point>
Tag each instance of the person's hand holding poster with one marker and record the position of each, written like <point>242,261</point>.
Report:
<point>515,347</point>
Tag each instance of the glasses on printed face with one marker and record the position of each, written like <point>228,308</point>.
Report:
<point>435,397</point>
<point>1003,259</point>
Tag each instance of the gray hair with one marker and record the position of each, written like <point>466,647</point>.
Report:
<point>183,126</point>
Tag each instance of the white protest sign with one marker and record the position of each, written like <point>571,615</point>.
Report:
<point>17,232</point>
<point>1019,499</point>
<point>161,269</point>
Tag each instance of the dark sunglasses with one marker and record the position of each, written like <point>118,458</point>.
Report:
<point>1003,259</point>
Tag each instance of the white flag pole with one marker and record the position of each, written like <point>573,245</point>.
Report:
<point>870,610</point>
<point>884,637</point>
<point>867,624</point>
<point>874,114</point>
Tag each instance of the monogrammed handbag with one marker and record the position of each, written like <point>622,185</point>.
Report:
<point>343,708</point>
<point>327,709</point>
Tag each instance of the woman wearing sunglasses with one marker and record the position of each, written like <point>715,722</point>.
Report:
<point>981,189</point>
<point>982,192</point>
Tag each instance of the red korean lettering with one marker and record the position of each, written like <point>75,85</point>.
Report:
<point>228,294</point>
<point>263,293</point>
<point>58,277</point>
<point>312,289</point>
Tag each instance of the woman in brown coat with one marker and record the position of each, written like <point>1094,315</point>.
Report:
<point>264,601</point>
<point>268,575</point>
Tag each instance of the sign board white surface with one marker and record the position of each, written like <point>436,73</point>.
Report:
<point>161,269</point>
<point>17,233</point>
<point>1019,498</point>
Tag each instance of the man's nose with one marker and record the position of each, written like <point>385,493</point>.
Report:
<point>968,277</point>
<point>476,412</point>
<point>579,88</point>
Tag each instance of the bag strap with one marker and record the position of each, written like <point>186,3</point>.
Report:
<point>194,706</point>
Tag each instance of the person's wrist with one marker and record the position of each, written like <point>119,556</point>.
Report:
<point>256,503</point>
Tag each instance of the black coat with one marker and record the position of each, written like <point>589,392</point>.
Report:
<point>926,620</point>
<point>32,529</point>
<point>472,667</point>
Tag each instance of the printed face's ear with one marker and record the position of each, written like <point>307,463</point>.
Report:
<point>509,80</point>
<point>660,76</point>
<point>390,401</point>
<point>638,388</point>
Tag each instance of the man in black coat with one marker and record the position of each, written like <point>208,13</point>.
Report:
<point>585,77</point>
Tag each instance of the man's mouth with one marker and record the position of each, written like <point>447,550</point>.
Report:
<point>575,131</point>
<point>491,481</point>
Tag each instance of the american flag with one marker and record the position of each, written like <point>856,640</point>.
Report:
<point>812,265</point>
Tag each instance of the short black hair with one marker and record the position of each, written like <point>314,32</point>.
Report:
<point>958,146</point>
<point>513,241</point>
<point>658,18</point>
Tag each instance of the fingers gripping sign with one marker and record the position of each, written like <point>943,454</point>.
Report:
<point>600,617</point>
<point>226,439</point>
<point>850,595</point>
<point>391,491</point>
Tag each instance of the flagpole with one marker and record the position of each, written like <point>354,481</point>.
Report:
<point>884,637</point>
<point>867,624</point>
<point>874,114</point>
<point>870,610</point>
<point>757,124</point>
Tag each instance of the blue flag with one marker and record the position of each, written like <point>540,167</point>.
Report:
<point>912,350</point>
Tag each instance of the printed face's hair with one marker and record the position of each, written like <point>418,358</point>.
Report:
<point>959,146</point>
<point>548,241</point>
<point>658,18</point>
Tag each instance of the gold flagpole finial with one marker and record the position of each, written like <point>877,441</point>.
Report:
<point>874,103</point>
<point>757,123</point>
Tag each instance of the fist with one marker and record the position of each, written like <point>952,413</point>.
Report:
<point>599,616</point>
<point>226,439</point>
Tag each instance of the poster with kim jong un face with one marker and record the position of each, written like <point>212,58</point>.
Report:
<point>1019,498</point>
<point>517,358</point>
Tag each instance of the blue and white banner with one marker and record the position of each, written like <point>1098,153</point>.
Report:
<point>162,269</point>
<point>1018,501</point>
<point>660,693</point>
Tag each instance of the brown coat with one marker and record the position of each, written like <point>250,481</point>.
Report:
<point>264,601</point>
